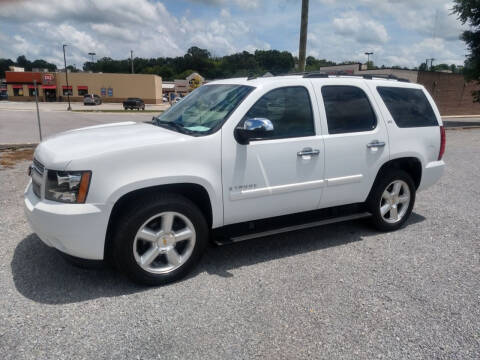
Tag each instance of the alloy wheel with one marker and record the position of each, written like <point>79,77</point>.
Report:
<point>395,201</point>
<point>164,242</point>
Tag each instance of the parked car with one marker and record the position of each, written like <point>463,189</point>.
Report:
<point>237,159</point>
<point>134,103</point>
<point>91,99</point>
<point>3,96</point>
<point>165,99</point>
<point>178,99</point>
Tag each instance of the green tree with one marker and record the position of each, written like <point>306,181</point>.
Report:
<point>23,62</point>
<point>4,65</point>
<point>468,12</point>
<point>423,67</point>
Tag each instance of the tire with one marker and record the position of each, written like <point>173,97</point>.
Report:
<point>150,214</point>
<point>389,195</point>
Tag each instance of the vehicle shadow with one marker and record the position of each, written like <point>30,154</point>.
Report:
<point>41,274</point>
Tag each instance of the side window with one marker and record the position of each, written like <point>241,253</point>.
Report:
<point>408,107</point>
<point>348,109</point>
<point>289,109</point>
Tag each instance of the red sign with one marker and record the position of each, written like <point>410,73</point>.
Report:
<point>48,79</point>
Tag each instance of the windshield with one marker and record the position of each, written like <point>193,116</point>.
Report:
<point>204,109</point>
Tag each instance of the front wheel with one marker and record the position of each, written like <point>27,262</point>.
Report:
<point>160,239</point>
<point>391,200</point>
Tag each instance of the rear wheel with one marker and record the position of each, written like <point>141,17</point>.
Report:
<point>392,199</point>
<point>160,239</point>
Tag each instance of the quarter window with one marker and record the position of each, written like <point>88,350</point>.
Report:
<point>348,109</point>
<point>289,109</point>
<point>408,107</point>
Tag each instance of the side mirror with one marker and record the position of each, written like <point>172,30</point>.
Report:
<point>255,128</point>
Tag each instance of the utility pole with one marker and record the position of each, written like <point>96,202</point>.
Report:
<point>303,37</point>
<point>66,78</point>
<point>431,63</point>
<point>38,112</point>
<point>368,57</point>
<point>131,59</point>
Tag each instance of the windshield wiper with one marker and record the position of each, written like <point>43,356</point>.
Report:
<point>173,125</point>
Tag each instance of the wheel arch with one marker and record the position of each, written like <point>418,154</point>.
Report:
<point>196,193</point>
<point>411,165</point>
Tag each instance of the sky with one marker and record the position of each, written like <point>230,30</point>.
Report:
<point>399,32</point>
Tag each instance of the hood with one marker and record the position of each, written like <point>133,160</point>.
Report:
<point>58,150</point>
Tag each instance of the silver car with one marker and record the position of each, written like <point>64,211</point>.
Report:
<point>92,99</point>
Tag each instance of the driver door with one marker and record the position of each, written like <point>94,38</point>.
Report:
<point>281,173</point>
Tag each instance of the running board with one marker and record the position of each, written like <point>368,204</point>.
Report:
<point>235,239</point>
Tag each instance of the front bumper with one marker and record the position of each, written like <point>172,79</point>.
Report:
<point>432,172</point>
<point>75,229</point>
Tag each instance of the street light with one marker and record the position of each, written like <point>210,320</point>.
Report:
<point>368,57</point>
<point>66,77</point>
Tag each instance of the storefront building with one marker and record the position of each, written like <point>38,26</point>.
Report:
<point>110,87</point>
<point>21,85</point>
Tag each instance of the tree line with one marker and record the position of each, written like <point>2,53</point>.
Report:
<point>200,60</point>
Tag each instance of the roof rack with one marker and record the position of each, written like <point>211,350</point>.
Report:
<point>383,76</point>
<point>364,76</point>
<point>317,74</point>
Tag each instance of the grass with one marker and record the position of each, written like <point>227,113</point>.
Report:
<point>9,158</point>
<point>121,111</point>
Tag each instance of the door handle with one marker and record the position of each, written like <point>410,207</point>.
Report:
<point>375,144</point>
<point>308,152</point>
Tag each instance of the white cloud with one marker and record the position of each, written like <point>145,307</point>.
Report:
<point>113,27</point>
<point>399,32</point>
<point>244,4</point>
<point>359,27</point>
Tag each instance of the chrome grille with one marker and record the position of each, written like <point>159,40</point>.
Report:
<point>38,166</point>
<point>37,177</point>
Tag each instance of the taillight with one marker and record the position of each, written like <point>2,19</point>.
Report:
<point>442,143</point>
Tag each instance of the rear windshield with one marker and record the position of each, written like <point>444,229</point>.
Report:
<point>408,107</point>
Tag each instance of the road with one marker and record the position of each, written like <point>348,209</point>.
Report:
<point>18,121</point>
<point>20,126</point>
<point>341,291</point>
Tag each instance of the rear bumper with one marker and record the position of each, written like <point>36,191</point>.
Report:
<point>432,172</point>
<point>75,229</point>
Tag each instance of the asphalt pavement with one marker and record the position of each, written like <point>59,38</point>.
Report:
<point>342,291</point>
<point>21,126</point>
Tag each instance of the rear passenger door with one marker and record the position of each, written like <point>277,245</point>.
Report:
<point>355,137</point>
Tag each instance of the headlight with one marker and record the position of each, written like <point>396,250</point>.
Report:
<point>67,186</point>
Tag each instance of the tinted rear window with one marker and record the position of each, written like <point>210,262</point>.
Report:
<point>408,107</point>
<point>348,109</point>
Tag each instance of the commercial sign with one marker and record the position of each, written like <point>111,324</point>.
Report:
<point>110,92</point>
<point>48,79</point>
<point>103,91</point>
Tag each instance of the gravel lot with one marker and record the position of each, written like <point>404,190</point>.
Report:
<point>340,291</point>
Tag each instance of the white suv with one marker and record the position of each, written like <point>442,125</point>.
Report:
<point>236,159</point>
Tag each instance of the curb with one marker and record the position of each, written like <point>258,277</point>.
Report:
<point>459,116</point>
<point>462,127</point>
<point>17,146</point>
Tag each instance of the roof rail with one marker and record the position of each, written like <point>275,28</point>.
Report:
<point>315,75</point>
<point>383,76</point>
